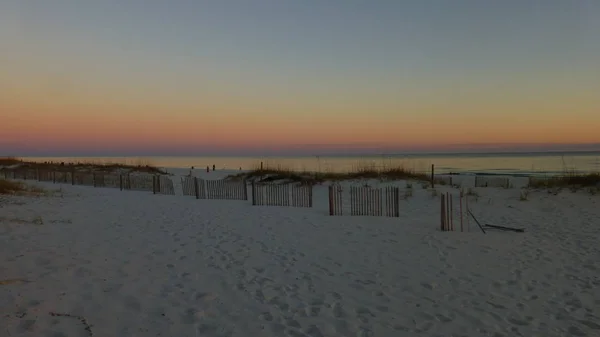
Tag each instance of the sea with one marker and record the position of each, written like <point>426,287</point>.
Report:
<point>516,164</point>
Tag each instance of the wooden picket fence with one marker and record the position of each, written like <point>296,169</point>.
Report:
<point>214,189</point>
<point>226,189</point>
<point>282,195</point>
<point>136,182</point>
<point>190,187</point>
<point>365,201</point>
<point>163,185</point>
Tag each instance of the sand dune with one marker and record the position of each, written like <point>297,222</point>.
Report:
<point>101,262</point>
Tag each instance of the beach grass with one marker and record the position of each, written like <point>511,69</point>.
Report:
<point>16,187</point>
<point>567,180</point>
<point>362,171</point>
<point>9,160</point>
<point>136,165</point>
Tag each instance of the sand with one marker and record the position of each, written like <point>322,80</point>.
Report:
<point>101,262</point>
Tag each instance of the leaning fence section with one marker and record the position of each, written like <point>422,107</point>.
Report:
<point>189,185</point>
<point>484,181</point>
<point>282,195</point>
<point>163,185</point>
<point>364,201</point>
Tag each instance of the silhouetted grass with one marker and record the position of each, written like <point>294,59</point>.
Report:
<point>284,174</point>
<point>138,165</point>
<point>7,161</point>
<point>567,180</point>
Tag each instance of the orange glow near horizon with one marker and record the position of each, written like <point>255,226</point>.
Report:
<point>98,75</point>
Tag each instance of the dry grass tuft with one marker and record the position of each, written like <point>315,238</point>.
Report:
<point>19,188</point>
<point>524,195</point>
<point>11,187</point>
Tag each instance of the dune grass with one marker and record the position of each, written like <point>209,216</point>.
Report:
<point>16,187</point>
<point>137,165</point>
<point>9,160</point>
<point>567,180</point>
<point>361,171</point>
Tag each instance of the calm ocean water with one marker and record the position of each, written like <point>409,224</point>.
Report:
<point>493,163</point>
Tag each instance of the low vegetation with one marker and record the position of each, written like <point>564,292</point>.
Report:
<point>286,175</point>
<point>138,165</point>
<point>19,188</point>
<point>570,180</point>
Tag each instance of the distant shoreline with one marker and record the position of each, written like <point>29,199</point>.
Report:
<point>553,153</point>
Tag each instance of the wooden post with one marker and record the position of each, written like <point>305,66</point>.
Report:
<point>461,213</point>
<point>121,181</point>
<point>261,165</point>
<point>94,179</point>
<point>330,200</point>
<point>73,177</point>
<point>54,177</point>
<point>196,188</point>
<point>451,212</point>
<point>153,184</point>
<point>467,209</point>
<point>432,175</point>
<point>442,212</point>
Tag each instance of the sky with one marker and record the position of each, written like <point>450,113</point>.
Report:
<point>143,77</point>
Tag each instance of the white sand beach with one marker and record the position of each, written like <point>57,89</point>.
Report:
<point>125,263</point>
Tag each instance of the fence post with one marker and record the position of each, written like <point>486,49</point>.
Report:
<point>196,189</point>
<point>54,177</point>
<point>94,179</point>
<point>121,181</point>
<point>153,184</point>
<point>442,212</point>
<point>432,176</point>
<point>73,177</point>
<point>451,213</point>
<point>330,200</point>
<point>253,194</point>
<point>447,211</point>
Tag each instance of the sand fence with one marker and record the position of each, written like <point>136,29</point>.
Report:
<point>296,195</point>
<point>157,184</point>
<point>348,200</point>
<point>364,201</point>
<point>214,189</point>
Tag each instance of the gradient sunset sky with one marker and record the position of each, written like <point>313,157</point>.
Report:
<point>128,77</point>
